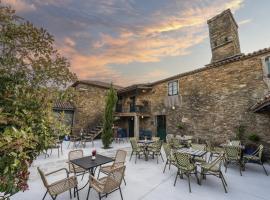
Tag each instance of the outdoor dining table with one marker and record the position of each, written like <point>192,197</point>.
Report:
<point>192,152</point>
<point>146,144</point>
<point>90,165</point>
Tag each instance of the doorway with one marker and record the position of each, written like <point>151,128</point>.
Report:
<point>161,127</point>
<point>131,127</point>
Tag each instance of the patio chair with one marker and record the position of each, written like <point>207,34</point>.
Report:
<point>199,147</point>
<point>175,143</point>
<point>233,154</point>
<point>155,150</point>
<point>213,150</point>
<point>60,186</point>
<point>137,149</point>
<point>75,154</point>
<point>235,143</point>
<point>214,168</point>
<point>107,184</point>
<point>185,167</point>
<point>119,161</point>
<point>170,160</point>
<point>256,157</point>
<point>74,139</point>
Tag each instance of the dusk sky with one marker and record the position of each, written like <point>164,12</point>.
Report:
<point>137,41</point>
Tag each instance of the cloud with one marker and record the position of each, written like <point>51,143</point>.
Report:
<point>246,21</point>
<point>20,6</point>
<point>120,36</point>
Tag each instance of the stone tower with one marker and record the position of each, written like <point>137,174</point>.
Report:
<point>223,33</point>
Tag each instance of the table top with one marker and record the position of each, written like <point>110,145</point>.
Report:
<point>192,152</point>
<point>87,162</point>
<point>146,141</point>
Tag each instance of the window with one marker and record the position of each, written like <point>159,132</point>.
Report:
<point>267,63</point>
<point>173,88</point>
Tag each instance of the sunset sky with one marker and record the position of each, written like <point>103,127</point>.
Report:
<point>136,41</point>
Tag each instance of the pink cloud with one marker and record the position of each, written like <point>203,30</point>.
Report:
<point>20,5</point>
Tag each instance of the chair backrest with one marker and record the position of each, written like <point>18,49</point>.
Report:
<point>133,142</point>
<point>232,152</point>
<point>43,177</point>
<point>235,142</point>
<point>155,138</point>
<point>167,149</point>
<point>120,158</point>
<point>183,160</point>
<point>114,179</point>
<point>74,154</point>
<point>259,151</point>
<point>201,147</point>
<point>157,145</point>
<point>217,161</point>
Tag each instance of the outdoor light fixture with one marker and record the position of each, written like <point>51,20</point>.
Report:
<point>142,117</point>
<point>173,107</point>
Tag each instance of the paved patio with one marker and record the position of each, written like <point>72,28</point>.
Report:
<point>145,180</point>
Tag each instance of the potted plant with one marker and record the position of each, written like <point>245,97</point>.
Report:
<point>181,127</point>
<point>252,145</point>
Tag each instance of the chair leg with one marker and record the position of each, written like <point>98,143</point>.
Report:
<point>58,152</point>
<point>161,157</point>
<point>131,156</point>
<point>45,195</point>
<point>165,166</point>
<point>240,167</point>
<point>223,178</point>
<point>70,195</point>
<point>264,170</point>
<point>74,192</point>
<point>223,182</point>
<point>88,193</point>
<point>77,191</point>
<point>157,158</point>
<point>124,180</point>
<point>99,195</point>
<point>175,178</point>
<point>121,193</point>
<point>189,183</point>
<point>201,177</point>
<point>196,174</point>
<point>136,158</point>
<point>98,173</point>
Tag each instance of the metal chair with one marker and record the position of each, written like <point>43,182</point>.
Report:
<point>185,167</point>
<point>199,147</point>
<point>170,160</point>
<point>155,149</point>
<point>214,168</point>
<point>75,154</point>
<point>119,161</point>
<point>138,150</point>
<point>108,184</point>
<point>256,157</point>
<point>233,154</point>
<point>60,186</point>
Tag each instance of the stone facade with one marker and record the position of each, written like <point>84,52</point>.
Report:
<point>223,33</point>
<point>89,104</point>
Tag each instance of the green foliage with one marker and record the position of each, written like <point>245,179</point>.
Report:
<point>107,134</point>
<point>240,132</point>
<point>31,73</point>
<point>253,137</point>
<point>180,126</point>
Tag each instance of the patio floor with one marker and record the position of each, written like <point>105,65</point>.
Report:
<point>145,180</point>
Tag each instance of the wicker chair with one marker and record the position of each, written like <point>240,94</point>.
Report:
<point>119,161</point>
<point>214,168</point>
<point>200,147</point>
<point>74,154</point>
<point>138,150</point>
<point>233,154</point>
<point>256,157</point>
<point>235,143</point>
<point>61,186</point>
<point>155,149</point>
<point>108,184</point>
<point>170,160</point>
<point>185,167</point>
<point>175,143</point>
<point>213,150</point>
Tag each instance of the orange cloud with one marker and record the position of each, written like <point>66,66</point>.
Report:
<point>20,5</point>
<point>170,36</point>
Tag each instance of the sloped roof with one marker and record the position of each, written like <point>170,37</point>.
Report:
<point>60,105</point>
<point>134,87</point>
<point>96,83</point>
<point>215,64</point>
<point>262,104</point>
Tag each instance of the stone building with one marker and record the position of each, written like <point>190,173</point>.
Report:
<point>210,102</point>
<point>89,103</point>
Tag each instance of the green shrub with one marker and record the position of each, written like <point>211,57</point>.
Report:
<point>254,137</point>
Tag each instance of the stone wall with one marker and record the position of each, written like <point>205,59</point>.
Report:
<point>89,106</point>
<point>215,101</point>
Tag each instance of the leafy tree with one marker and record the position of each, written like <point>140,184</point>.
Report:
<point>107,134</point>
<point>31,73</point>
